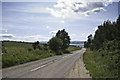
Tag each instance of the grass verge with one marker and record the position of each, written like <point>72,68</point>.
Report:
<point>14,53</point>
<point>102,64</point>
<point>71,48</point>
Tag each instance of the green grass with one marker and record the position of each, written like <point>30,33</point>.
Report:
<point>102,64</point>
<point>15,53</point>
<point>71,48</point>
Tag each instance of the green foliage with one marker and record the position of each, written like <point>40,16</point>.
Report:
<point>63,35</point>
<point>36,45</point>
<point>102,64</point>
<point>104,59</point>
<point>88,43</point>
<point>15,53</point>
<point>59,52</point>
<point>106,32</point>
<point>71,48</point>
<point>55,44</point>
<point>21,52</point>
<point>111,45</point>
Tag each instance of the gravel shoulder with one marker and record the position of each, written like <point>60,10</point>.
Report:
<point>78,70</point>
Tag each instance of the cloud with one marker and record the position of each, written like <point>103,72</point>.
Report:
<point>29,10</point>
<point>7,36</point>
<point>66,8</point>
<point>82,34</point>
<point>37,38</point>
<point>30,38</point>
<point>47,27</point>
<point>78,37</point>
<point>2,29</point>
<point>53,32</point>
<point>95,28</point>
<point>62,21</point>
<point>74,37</point>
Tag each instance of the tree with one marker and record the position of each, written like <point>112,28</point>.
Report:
<point>63,35</point>
<point>55,44</point>
<point>108,31</point>
<point>118,27</point>
<point>36,45</point>
<point>90,38</point>
<point>89,41</point>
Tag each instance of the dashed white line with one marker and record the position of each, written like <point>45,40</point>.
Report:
<point>38,68</point>
<point>47,64</point>
<point>43,65</point>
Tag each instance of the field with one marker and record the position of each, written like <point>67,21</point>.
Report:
<point>14,53</point>
<point>102,64</point>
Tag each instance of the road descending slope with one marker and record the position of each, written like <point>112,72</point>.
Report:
<point>52,67</point>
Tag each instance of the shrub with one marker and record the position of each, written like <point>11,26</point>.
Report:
<point>59,52</point>
<point>55,44</point>
<point>36,45</point>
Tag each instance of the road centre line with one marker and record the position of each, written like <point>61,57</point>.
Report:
<point>44,65</point>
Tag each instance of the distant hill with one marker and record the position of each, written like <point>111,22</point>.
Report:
<point>72,42</point>
<point>45,42</point>
<point>77,42</point>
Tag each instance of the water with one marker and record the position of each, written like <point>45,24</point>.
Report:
<point>78,45</point>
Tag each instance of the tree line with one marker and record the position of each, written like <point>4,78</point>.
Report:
<point>108,31</point>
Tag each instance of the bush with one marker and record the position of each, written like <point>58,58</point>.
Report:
<point>59,52</point>
<point>55,44</point>
<point>36,45</point>
<point>111,45</point>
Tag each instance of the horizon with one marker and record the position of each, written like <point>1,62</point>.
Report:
<point>31,21</point>
<point>36,41</point>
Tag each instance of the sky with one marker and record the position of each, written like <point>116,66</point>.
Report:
<point>39,21</point>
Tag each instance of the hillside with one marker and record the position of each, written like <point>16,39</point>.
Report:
<point>14,53</point>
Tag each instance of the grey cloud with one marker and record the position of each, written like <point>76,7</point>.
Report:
<point>90,6</point>
<point>24,38</point>
<point>96,4</point>
<point>98,10</point>
<point>66,8</point>
<point>7,36</point>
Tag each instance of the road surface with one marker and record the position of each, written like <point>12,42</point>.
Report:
<point>52,67</point>
<point>78,70</point>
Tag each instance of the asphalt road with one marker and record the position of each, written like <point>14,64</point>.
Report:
<point>52,67</point>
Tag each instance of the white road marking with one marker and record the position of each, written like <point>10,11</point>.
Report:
<point>38,68</point>
<point>50,62</point>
